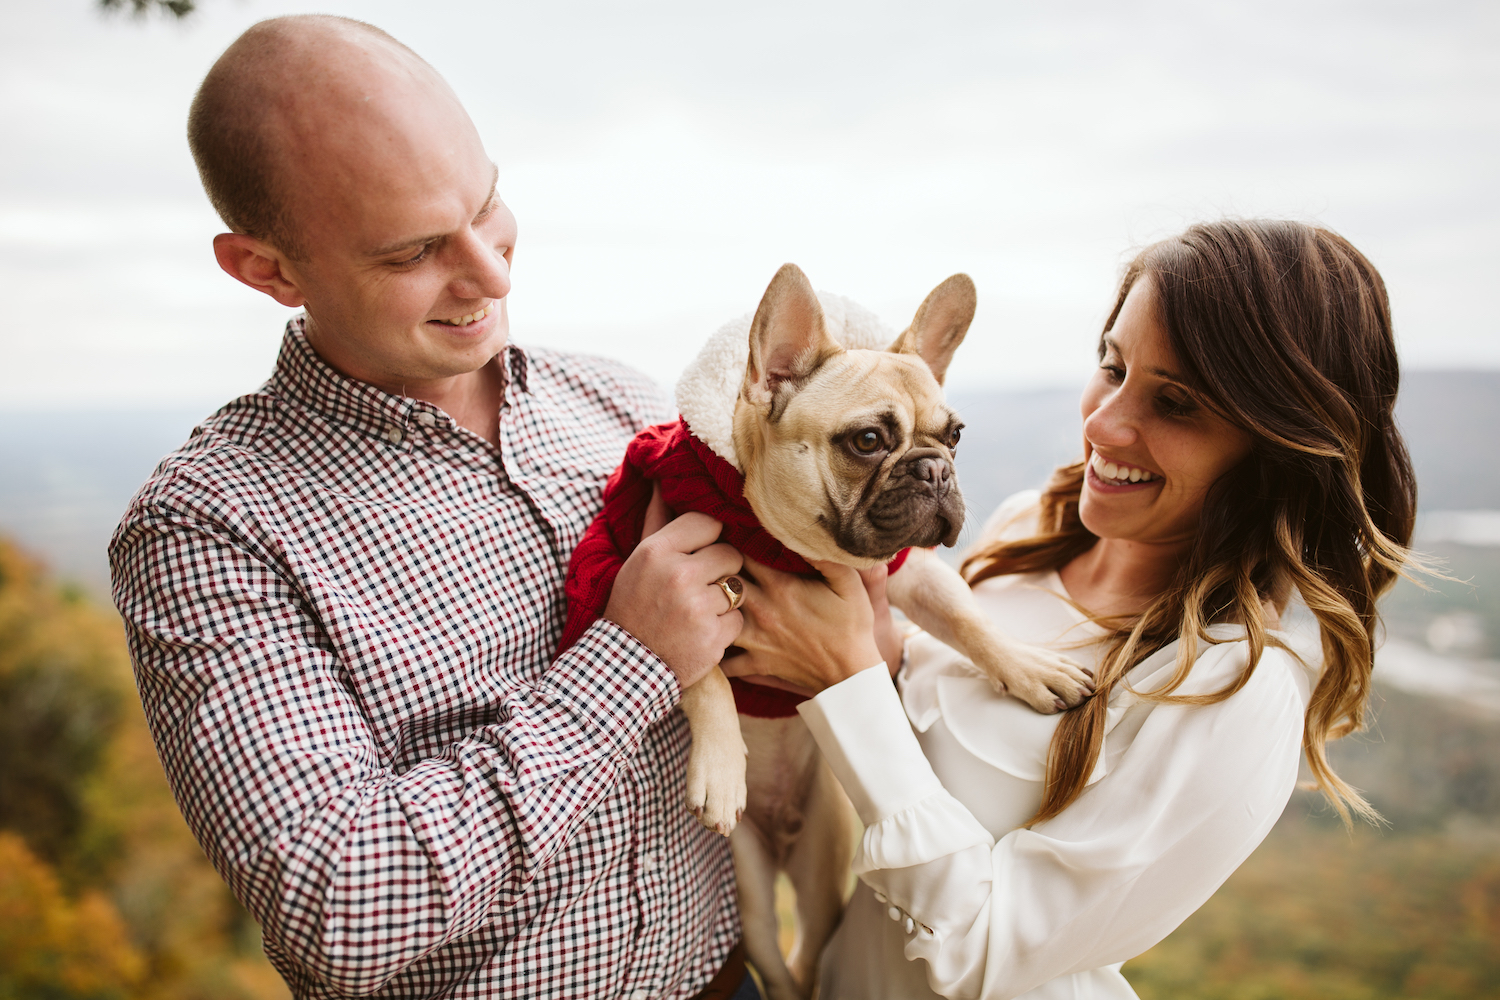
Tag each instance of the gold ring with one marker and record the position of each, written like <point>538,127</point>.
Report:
<point>734,589</point>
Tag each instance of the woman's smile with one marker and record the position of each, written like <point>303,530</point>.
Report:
<point>1140,405</point>
<point>1115,476</point>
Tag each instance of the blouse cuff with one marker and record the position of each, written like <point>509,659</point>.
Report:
<point>863,732</point>
<point>937,826</point>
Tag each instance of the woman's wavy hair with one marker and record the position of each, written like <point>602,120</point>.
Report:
<point>1285,330</point>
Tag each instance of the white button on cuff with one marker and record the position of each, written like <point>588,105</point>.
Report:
<point>893,913</point>
<point>910,925</point>
<point>426,419</point>
<point>393,435</point>
<point>881,897</point>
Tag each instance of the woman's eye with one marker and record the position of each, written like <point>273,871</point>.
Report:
<point>1114,373</point>
<point>1172,407</point>
<point>866,442</point>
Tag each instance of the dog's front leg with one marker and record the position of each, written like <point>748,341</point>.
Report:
<point>716,762</point>
<point>936,598</point>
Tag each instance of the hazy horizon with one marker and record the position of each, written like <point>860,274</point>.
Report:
<point>665,159</point>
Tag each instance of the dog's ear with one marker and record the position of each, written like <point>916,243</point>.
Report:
<point>788,339</point>
<point>940,324</point>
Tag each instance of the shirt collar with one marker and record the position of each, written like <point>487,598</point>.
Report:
<point>304,378</point>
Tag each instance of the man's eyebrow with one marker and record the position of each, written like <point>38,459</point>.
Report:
<point>416,241</point>
<point>1162,373</point>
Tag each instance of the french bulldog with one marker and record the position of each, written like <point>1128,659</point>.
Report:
<point>847,456</point>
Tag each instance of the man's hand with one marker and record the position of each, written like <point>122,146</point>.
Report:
<point>665,595</point>
<point>811,633</point>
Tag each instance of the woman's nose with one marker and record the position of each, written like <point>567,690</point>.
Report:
<point>1112,423</point>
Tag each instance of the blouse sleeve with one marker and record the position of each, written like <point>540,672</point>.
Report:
<point>1113,874</point>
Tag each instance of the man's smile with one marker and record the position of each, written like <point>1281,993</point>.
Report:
<point>468,318</point>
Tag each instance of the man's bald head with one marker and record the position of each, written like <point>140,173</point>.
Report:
<point>279,98</point>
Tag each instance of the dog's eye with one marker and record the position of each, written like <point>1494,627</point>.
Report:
<point>954,435</point>
<point>866,442</point>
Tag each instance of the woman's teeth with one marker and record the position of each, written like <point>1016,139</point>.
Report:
<point>473,317</point>
<point>1119,475</point>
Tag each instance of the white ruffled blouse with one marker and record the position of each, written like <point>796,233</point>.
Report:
<point>955,899</point>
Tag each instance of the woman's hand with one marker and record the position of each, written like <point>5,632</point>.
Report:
<point>810,633</point>
<point>887,639</point>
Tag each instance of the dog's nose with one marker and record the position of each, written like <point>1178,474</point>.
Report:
<point>930,466</point>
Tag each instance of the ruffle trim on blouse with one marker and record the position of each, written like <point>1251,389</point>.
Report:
<point>929,829</point>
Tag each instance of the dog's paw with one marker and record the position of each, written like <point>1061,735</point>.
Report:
<point>716,783</point>
<point>1047,681</point>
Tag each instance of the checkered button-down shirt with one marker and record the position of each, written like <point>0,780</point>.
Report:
<point>343,611</point>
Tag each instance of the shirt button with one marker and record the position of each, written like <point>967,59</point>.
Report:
<point>880,896</point>
<point>426,419</point>
<point>393,435</point>
<point>640,995</point>
<point>910,924</point>
<point>649,863</point>
<point>893,913</point>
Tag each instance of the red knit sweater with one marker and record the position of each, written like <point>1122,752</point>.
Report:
<point>692,477</point>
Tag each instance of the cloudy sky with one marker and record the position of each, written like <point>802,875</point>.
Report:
<point>664,158</point>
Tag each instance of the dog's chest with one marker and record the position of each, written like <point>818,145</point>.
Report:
<point>780,771</point>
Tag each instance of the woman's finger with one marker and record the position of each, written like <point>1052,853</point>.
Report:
<point>843,580</point>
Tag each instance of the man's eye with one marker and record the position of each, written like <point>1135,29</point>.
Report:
<point>414,261</point>
<point>866,442</point>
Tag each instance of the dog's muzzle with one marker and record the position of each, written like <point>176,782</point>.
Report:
<point>919,504</point>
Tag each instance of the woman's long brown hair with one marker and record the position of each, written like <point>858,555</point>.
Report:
<point>1285,330</point>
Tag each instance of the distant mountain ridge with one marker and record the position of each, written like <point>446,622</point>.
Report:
<point>68,476</point>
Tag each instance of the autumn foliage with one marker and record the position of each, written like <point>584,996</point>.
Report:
<point>104,893</point>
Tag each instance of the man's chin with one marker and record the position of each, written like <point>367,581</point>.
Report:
<point>459,351</point>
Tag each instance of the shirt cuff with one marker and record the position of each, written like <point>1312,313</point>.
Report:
<point>609,677</point>
<point>867,739</point>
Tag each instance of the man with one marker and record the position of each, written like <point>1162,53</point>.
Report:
<point>343,594</point>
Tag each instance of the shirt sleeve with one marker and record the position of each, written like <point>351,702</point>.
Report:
<point>1109,877</point>
<point>354,870</point>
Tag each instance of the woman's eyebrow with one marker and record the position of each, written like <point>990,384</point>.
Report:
<point>1162,373</point>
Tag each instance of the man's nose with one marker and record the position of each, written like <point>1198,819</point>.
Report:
<point>484,273</point>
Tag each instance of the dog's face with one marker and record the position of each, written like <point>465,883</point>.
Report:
<point>848,454</point>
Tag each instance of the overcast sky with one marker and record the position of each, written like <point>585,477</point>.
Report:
<point>664,159</point>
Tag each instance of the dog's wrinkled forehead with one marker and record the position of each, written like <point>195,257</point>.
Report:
<point>858,389</point>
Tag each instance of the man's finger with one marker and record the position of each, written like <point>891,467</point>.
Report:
<point>658,514</point>
<point>689,532</point>
<point>716,561</point>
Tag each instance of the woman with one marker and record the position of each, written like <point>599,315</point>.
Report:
<point>1239,451</point>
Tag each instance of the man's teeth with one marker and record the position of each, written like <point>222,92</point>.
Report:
<point>1118,475</point>
<point>468,318</point>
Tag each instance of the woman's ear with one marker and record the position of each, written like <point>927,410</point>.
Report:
<point>259,265</point>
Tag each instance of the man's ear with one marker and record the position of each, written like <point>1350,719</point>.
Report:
<point>258,265</point>
<point>940,324</point>
<point>788,338</point>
